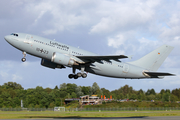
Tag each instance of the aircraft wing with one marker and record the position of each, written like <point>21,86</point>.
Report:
<point>99,58</point>
<point>155,74</point>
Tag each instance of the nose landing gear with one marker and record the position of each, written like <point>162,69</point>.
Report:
<point>24,55</point>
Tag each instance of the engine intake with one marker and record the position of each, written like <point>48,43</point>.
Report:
<point>63,59</point>
<point>49,64</point>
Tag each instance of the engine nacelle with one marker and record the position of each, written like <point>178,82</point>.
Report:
<point>62,59</point>
<point>49,64</point>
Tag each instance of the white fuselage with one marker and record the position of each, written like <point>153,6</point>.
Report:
<point>44,48</point>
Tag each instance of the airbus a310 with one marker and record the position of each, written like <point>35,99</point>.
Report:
<point>54,54</point>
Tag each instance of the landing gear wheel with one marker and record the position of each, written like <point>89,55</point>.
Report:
<point>84,75</point>
<point>24,55</point>
<point>79,74</point>
<point>23,59</point>
<point>75,76</point>
<point>71,76</point>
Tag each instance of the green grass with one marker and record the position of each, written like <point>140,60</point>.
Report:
<point>52,114</point>
<point>133,104</point>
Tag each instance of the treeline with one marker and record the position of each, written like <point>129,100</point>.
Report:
<point>12,93</point>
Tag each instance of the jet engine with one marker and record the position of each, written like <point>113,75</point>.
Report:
<point>63,59</point>
<point>49,64</point>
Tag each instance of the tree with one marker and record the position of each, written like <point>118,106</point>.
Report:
<point>12,85</point>
<point>99,93</point>
<point>141,96</point>
<point>71,87</point>
<point>37,106</point>
<point>133,96</point>
<point>162,92</point>
<point>58,101</point>
<point>95,87</point>
<point>39,89</point>
<point>48,90</point>
<point>105,92</point>
<point>166,97</point>
<point>167,91</point>
<point>173,98</point>
<point>63,86</point>
<point>125,89</point>
<point>151,97</point>
<point>85,90</point>
<point>52,105</point>
<point>56,87</point>
<point>158,97</point>
<point>176,92</point>
<point>73,95</point>
<point>90,90</point>
<point>63,94</point>
<point>121,96</point>
<point>140,92</point>
<point>151,92</point>
<point>44,102</point>
<point>78,91</point>
<point>12,93</point>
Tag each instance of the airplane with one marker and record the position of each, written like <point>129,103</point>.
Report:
<point>54,55</point>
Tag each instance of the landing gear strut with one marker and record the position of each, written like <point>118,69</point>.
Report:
<point>24,55</point>
<point>79,74</point>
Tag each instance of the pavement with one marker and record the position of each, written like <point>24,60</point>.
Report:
<point>109,118</point>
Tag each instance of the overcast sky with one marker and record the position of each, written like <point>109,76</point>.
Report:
<point>105,27</point>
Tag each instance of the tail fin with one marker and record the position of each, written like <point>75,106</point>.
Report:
<point>154,60</point>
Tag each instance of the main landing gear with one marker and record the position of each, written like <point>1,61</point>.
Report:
<point>80,74</point>
<point>76,76</point>
<point>24,55</point>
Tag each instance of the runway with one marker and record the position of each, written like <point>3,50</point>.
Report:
<point>109,118</point>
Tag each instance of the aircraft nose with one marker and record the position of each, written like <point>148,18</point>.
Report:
<point>7,37</point>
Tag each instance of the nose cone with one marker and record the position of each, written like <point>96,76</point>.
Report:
<point>7,38</point>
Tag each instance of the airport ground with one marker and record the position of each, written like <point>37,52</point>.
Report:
<point>70,115</point>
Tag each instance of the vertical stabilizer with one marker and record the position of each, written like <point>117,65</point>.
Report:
<point>154,60</point>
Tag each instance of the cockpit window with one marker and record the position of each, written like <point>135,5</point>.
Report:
<point>14,34</point>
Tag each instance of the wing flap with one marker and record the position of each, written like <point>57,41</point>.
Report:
<point>99,58</point>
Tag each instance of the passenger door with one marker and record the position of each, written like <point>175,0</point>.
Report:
<point>28,39</point>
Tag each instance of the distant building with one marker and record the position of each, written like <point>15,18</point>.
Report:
<point>70,100</point>
<point>92,100</point>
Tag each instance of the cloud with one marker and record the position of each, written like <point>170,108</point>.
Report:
<point>116,41</point>
<point>7,73</point>
<point>57,16</point>
<point>4,75</point>
<point>16,77</point>
<point>121,15</point>
<point>49,32</point>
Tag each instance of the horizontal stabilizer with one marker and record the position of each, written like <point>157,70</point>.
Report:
<point>159,74</point>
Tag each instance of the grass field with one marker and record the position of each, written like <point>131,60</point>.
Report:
<point>52,114</point>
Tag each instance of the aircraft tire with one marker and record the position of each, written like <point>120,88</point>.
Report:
<point>71,76</point>
<point>79,74</point>
<point>23,59</point>
<point>84,75</point>
<point>75,76</point>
